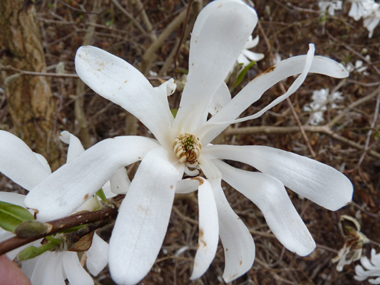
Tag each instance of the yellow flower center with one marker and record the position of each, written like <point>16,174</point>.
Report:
<point>187,148</point>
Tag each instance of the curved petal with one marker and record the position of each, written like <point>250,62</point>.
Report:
<point>185,186</point>
<point>71,185</point>
<point>309,178</point>
<point>13,198</point>
<point>120,181</point>
<point>219,35</point>
<point>49,269</point>
<point>256,88</point>
<point>118,81</point>
<point>253,55</point>
<point>97,255</point>
<point>208,229</point>
<point>252,42</point>
<point>269,194</point>
<point>74,271</point>
<point>221,97</point>
<point>19,163</point>
<point>143,219</point>
<point>239,248</point>
<point>43,161</point>
<point>75,146</point>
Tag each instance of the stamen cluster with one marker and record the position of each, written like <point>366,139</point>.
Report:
<point>187,148</point>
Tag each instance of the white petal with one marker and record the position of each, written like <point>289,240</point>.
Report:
<point>49,269</point>
<point>74,271</point>
<point>219,35</point>
<point>71,185</point>
<point>251,43</point>
<point>13,198</point>
<point>19,163</point>
<point>256,88</point>
<point>75,146</point>
<point>186,186</point>
<point>270,196</point>
<point>220,98</point>
<point>120,182</point>
<point>163,91</point>
<point>97,255</point>
<point>107,190</point>
<point>43,161</point>
<point>143,219</point>
<point>118,81</point>
<point>309,178</point>
<point>239,248</point>
<point>208,229</point>
<point>253,55</point>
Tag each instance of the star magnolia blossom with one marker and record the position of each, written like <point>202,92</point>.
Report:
<point>246,55</point>
<point>26,168</point>
<point>369,268</point>
<point>182,145</point>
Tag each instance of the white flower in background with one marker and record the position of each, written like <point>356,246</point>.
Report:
<point>182,146</point>
<point>318,105</point>
<point>329,6</point>
<point>369,10</point>
<point>358,67</point>
<point>369,268</point>
<point>246,55</point>
<point>26,168</point>
<point>353,242</point>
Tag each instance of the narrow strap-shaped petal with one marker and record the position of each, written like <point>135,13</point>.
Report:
<point>120,181</point>
<point>219,35</point>
<point>221,97</point>
<point>118,81</point>
<point>256,88</point>
<point>269,194</point>
<point>75,273</point>
<point>309,178</point>
<point>208,229</point>
<point>19,163</point>
<point>71,185</point>
<point>97,255</point>
<point>143,219</point>
<point>239,248</point>
<point>75,146</point>
<point>186,186</point>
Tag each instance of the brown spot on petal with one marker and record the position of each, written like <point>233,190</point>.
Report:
<point>125,81</point>
<point>200,180</point>
<point>241,262</point>
<point>226,249</point>
<point>85,197</point>
<point>201,240</point>
<point>270,69</point>
<point>171,186</point>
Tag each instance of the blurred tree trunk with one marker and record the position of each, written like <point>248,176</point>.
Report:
<point>28,97</point>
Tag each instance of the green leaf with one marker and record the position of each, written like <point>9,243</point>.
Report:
<point>12,215</point>
<point>101,195</point>
<point>243,72</point>
<point>32,251</point>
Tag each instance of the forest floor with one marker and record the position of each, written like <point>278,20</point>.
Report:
<point>350,144</point>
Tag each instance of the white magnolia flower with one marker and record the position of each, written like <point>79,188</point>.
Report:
<point>369,268</point>
<point>26,168</point>
<point>369,10</point>
<point>246,55</point>
<point>182,145</point>
<point>353,244</point>
<point>318,105</point>
<point>329,6</point>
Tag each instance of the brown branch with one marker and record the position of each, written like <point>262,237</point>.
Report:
<point>108,213</point>
<point>24,72</point>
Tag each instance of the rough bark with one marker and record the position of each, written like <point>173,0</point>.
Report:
<point>28,97</point>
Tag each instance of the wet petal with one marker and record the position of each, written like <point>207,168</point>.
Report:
<point>143,219</point>
<point>118,81</point>
<point>239,248</point>
<point>74,271</point>
<point>208,229</point>
<point>71,185</point>
<point>219,35</point>
<point>309,178</point>
<point>97,255</point>
<point>19,163</point>
<point>269,194</point>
